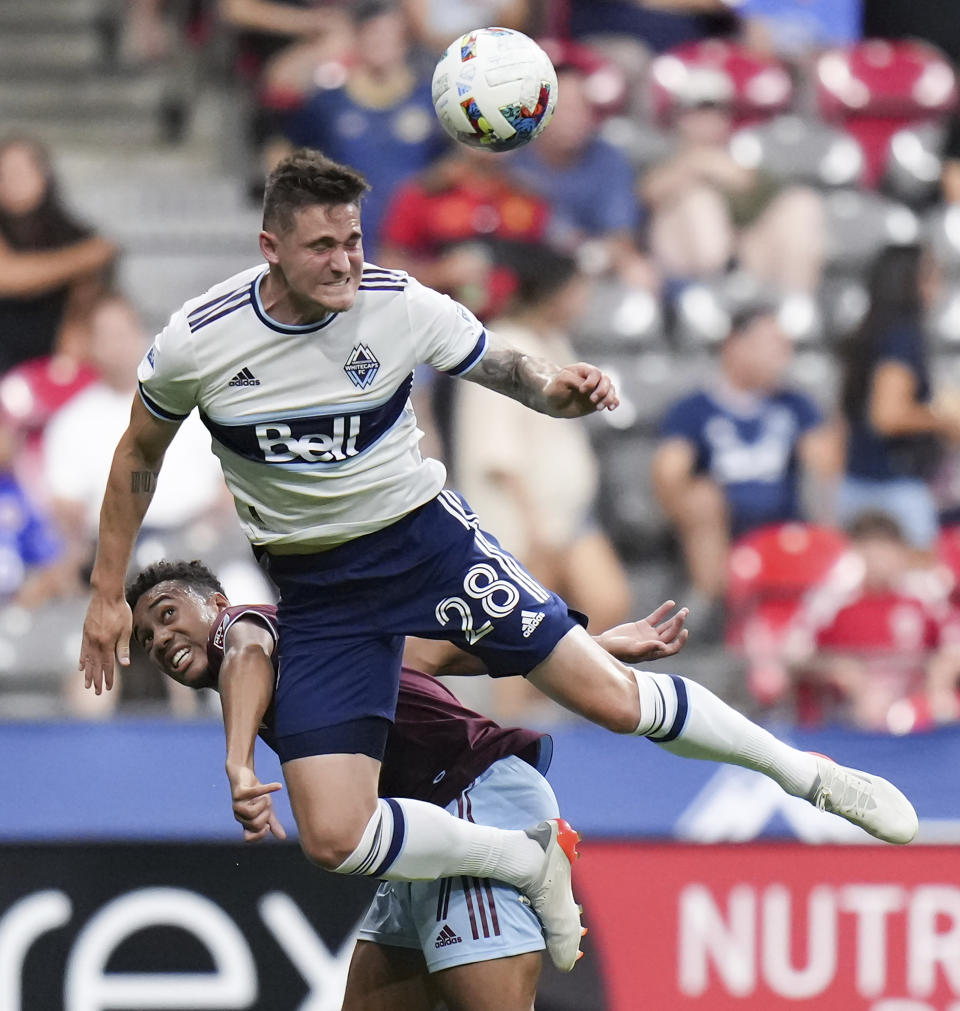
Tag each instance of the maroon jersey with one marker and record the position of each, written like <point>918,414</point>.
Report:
<point>436,747</point>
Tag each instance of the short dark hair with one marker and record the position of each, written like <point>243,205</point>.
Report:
<point>194,575</point>
<point>875,524</point>
<point>744,316</point>
<point>308,178</point>
<point>363,11</point>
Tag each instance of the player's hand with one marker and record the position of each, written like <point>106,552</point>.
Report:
<point>106,641</point>
<point>580,389</point>
<point>651,638</point>
<point>252,805</point>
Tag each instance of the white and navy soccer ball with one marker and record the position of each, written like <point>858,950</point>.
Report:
<point>494,88</point>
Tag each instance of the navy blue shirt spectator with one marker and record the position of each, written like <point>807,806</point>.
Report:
<point>380,119</point>
<point>659,29</point>
<point>389,145</point>
<point>594,194</point>
<point>895,437</point>
<point>878,457</point>
<point>751,456</point>
<point>730,457</point>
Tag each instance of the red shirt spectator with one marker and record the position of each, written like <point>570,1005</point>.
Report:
<point>456,226</point>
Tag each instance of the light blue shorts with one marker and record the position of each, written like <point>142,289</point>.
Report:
<point>456,921</point>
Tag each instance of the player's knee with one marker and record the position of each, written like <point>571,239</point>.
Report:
<point>327,846</point>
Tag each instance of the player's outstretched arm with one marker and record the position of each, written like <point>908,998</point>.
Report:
<point>133,477</point>
<point>570,391</point>
<point>246,685</point>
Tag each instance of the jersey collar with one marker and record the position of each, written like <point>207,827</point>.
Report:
<point>289,328</point>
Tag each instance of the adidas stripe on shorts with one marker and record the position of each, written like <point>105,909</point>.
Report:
<point>456,921</point>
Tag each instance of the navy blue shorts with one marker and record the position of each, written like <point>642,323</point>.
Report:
<point>344,613</point>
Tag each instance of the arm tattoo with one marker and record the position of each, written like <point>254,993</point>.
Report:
<point>143,482</point>
<point>515,375</point>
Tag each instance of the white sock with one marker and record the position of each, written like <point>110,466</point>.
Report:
<point>686,719</point>
<point>410,840</point>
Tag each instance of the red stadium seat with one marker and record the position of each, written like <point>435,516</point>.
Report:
<point>948,554</point>
<point>606,85</point>
<point>875,88</point>
<point>760,86</point>
<point>770,571</point>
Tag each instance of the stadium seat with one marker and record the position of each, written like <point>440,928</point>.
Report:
<point>799,151</point>
<point>626,505</point>
<point>649,382</point>
<point>816,373</point>
<point>914,164</point>
<point>861,223</point>
<point>770,571</point>
<point>947,550</point>
<point>606,83</point>
<point>844,301</point>
<point>704,309</point>
<point>942,233</point>
<point>761,87</point>
<point>640,141</point>
<point>876,87</point>
<point>619,317</point>
<point>943,327</point>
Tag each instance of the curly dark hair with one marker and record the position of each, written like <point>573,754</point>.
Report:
<point>192,574</point>
<point>308,178</point>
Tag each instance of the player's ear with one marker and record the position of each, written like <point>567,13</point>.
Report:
<point>219,601</point>
<point>268,246</point>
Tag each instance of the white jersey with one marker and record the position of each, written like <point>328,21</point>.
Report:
<point>312,424</point>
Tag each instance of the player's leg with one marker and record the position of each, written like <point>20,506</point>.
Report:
<point>505,984</point>
<point>688,720</point>
<point>345,828</point>
<point>482,944</point>
<point>384,978</point>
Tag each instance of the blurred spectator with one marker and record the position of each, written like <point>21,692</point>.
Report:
<point>894,430</point>
<point>281,48</point>
<point>31,554</point>
<point>281,42</point>
<point>730,457</point>
<point>709,211</point>
<point>796,30</point>
<point>536,478</point>
<point>380,119</point>
<point>31,393</point>
<point>589,183</point>
<point>79,440</point>
<point>51,267</point>
<point>436,23</point>
<point>865,640</point>
<point>456,227</point>
<point>659,24</point>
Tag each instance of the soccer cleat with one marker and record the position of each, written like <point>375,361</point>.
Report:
<point>869,801</point>
<point>551,894</point>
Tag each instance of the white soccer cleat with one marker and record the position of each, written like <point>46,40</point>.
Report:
<point>869,801</point>
<point>551,895</point>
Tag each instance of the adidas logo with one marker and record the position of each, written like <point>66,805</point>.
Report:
<point>244,378</point>
<point>530,622</point>
<point>446,936</point>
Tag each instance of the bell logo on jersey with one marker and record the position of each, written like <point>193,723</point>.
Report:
<point>280,445</point>
<point>362,366</point>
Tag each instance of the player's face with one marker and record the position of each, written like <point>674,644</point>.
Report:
<point>320,257</point>
<point>172,623</point>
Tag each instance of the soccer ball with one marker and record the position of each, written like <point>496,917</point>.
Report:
<point>495,89</point>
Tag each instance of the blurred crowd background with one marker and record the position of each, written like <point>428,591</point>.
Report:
<point>747,212</point>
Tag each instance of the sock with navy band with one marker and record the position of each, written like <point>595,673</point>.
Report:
<point>686,719</point>
<point>411,840</point>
